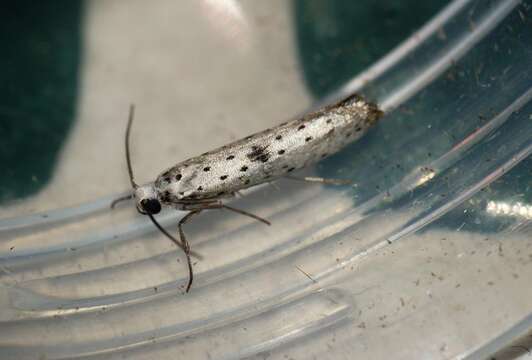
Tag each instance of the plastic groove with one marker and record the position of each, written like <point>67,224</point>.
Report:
<point>471,190</point>
<point>122,233</point>
<point>392,65</point>
<point>57,216</point>
<point>428,74</point>
<point>322,309</point>
<point>284,247</point>
<point>511,338</point>
<point>402,51</point>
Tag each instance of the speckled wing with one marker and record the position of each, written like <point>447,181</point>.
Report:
<point>269,154</point>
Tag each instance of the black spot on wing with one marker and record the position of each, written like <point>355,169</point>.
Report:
<point>258,153</point>
<point>165,197</point>
<point>166,176</point>
<point>329,134</point>
<point>263,158</point>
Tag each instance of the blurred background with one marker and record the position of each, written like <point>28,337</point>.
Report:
<point>427,254</point>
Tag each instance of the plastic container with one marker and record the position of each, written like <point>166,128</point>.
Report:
<point>427,255</point>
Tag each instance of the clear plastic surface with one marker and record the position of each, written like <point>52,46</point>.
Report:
<point>427,255</point>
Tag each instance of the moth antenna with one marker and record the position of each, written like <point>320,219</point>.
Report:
<point>128,156</point>
<point>179,244</point>
<point>128,159</point>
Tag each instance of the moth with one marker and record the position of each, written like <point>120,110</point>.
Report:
<point>205,181</point>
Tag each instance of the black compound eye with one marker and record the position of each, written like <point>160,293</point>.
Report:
<point>151,206</point>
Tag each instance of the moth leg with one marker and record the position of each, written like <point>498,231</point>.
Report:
<point>315,179</point>
<point>186,245</point>
<point>174,240</point>
<point>274,185</point>
<point>219,205</point>
<point>120,199</point>
<point>245,213</point>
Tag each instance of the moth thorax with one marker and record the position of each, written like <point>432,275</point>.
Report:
<point>145,192</point>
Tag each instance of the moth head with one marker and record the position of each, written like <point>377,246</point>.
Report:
<point>147,200</point>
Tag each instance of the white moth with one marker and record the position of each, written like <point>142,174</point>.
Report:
<point>202,182</point>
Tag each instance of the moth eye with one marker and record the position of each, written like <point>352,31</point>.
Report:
<point>150,206</point>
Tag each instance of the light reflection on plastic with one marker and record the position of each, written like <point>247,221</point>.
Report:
<point>507,209</point>
<point>230,21</point>
<point>428,174</point>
